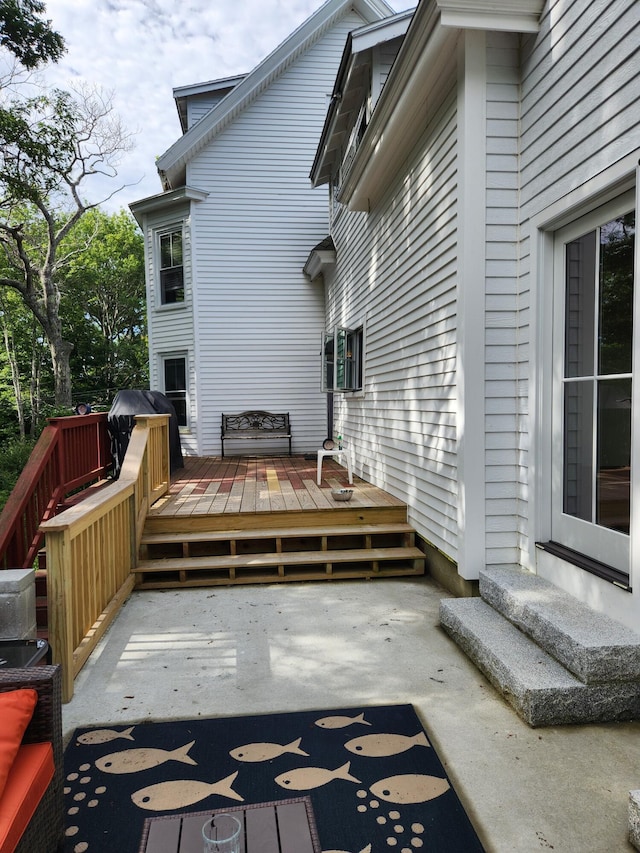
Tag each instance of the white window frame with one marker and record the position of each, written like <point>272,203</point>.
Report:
<point>607,546</point>
<point>159,235</point>
<point>350,367</point>
<point>172,356</point>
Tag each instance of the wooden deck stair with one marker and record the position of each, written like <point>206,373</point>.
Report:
<point>279,547</point>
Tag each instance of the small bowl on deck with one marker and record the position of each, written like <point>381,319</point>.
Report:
<point>341,494</point>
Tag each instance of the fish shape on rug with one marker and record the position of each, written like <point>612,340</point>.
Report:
<point>135,760</point>
<point>384,745</point>
<point>105,735</point>
<point>181,793</point>
<point>409,788</point>
<point>266,751</point>
<point>341,722</point>
<point>308,778</point>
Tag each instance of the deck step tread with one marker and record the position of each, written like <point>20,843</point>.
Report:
<point>276,532</point>
<point>532,681</point>
<point>590,644</point>
<point>251,561</point>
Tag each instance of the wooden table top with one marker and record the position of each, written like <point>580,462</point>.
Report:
<point>284,826</point>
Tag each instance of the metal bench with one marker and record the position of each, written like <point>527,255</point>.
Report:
<point>255,426</point>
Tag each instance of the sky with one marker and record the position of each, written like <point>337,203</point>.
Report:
<point>140,50</point>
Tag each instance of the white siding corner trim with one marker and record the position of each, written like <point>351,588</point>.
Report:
<point>470,371</point>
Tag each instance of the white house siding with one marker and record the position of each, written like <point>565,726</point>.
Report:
<point>504,372</point>
<point>259,319</point>
<point>171,328</point>
<point>580,116</point>
<point>199,105</point>
<point>396,270</point>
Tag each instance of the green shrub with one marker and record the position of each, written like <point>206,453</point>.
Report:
<point>15,455</point>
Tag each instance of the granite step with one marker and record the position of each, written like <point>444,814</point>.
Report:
<point>589,644</point>
<point>538,687</point>
<point>634,818</point>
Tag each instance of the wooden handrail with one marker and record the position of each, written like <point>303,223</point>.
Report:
<point>92,549</point>
<point>70,453</point>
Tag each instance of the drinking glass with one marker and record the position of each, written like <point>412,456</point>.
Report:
<point>222,834</point>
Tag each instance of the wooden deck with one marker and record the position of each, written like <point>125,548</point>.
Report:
<point>213,486</point>
<point>257,519</point>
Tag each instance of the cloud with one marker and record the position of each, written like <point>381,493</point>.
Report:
<point>141,49</point>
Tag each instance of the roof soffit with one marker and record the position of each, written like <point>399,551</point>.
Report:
<point>164,201</point>
<point>171,165</point>
<point>425,60</point>
<point>352,88</point>
<point>521,16</point>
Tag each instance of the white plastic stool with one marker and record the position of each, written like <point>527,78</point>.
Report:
<point>345,453</point>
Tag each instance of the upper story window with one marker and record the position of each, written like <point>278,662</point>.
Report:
<point>343,359</point>
<point>171,267</point>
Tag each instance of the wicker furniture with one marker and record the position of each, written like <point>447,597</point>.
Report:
<point>44,832</point>
<point>255,426</point>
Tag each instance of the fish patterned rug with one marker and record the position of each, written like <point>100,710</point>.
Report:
<point>374,779</point>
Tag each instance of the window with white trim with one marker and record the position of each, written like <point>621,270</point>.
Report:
<point>343,357</point>
<point>171,267</point>
<point>174,372</point>
<point>592,428</point>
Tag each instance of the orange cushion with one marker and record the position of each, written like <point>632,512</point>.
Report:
<point>29,778</point>
<point>16,710</point>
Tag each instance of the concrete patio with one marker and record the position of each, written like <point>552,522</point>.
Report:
<point>254,649</point>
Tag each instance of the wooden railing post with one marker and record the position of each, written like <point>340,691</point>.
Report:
<point>60,596</point>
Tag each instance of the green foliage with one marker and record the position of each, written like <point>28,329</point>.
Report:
<point>37,145</point>
<point>26,35</point>
<point>104,307</point>
<point>15,455</point>
<point>100,279</point>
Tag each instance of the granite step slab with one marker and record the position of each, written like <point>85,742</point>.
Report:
<point>592,646</point>
<point>634,818</point>
<point>538,687</point>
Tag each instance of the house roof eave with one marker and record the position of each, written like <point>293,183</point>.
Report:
<point>358,43</point>
<point>162,201</point>
<point>320,258</point>
<point>173,162</point>
<point>181,94</point>
<point>421,67</point>
<point>521,16</point>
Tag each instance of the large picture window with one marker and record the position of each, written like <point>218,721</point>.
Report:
<point>342,355</point>
<point>593,391</point>
<point>171,267</point>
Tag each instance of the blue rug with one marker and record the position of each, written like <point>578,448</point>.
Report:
<point>375,781</point>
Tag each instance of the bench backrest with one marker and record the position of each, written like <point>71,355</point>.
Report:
<point>256,422</point>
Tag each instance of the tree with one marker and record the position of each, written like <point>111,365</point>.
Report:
<point>103,303</point>
<point>23,375</point>
<point>26,35</point>
<point>49,147</point>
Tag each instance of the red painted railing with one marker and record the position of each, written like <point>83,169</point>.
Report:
<point>71,453</point>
